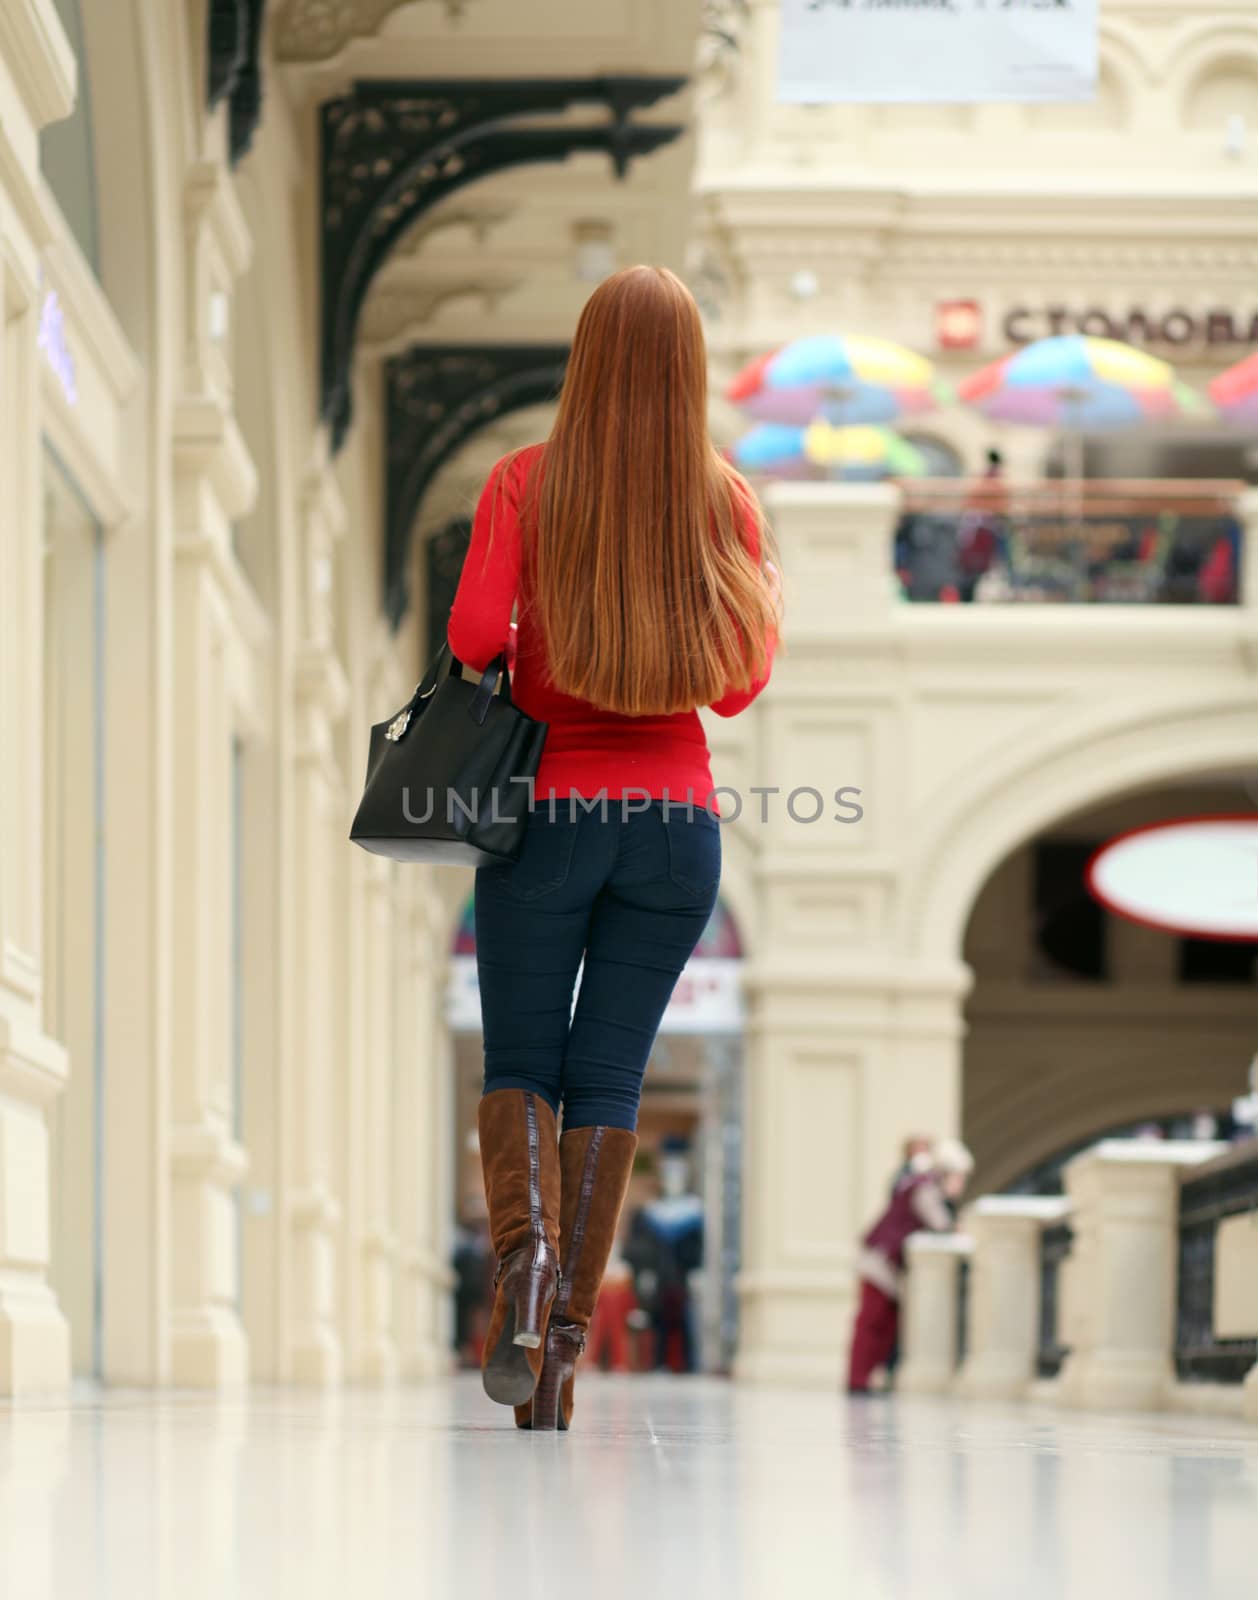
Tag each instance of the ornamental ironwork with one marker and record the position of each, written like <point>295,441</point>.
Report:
<point>392,150</point>
<point>234,68</point>
<point>435,398</point>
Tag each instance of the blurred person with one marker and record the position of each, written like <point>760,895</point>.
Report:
<point>924,1200</point>
<point>609,1345</point>
<point>915,1158</point>
<point>473,1263</point>
<point>665,1246</point>
<point>639,564</point>
<point>980,542</point>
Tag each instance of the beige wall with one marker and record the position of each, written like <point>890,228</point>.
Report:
<point>276,1183</point>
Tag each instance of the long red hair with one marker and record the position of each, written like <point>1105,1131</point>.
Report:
<point>646,553</point>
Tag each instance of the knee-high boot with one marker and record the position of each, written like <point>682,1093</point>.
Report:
<point>520,1160</point>
<point>596,1164</point>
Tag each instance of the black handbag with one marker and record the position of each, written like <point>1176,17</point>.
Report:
<point>450,777</point>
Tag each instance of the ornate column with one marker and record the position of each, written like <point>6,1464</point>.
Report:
<point>40,88</point>
<point>929,1311</point>
<point>320,696</point>
<point>1004,1299</point>
<point>852,1044</point>
<point>419,1135</point>
<point>376,1242</point>
<point>218,632</point>
<point>1121,1301</point>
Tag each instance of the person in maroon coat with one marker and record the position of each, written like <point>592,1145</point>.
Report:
<point>923,1199</point>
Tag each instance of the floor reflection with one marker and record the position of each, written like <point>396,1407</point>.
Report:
<point>665,1487</point>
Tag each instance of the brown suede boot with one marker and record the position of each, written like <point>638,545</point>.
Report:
<point>596,1164</point>
<point>520,1159</point>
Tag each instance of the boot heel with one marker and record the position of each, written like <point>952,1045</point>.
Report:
<point>546,1418</point>
<point>533,1292</point>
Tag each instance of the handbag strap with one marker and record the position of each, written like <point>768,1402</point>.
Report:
<point>487,687</point>
<point>447,665</point>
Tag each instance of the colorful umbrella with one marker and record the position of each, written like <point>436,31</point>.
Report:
<point>776,449</point>
<point>1235,392</point>
<point>842,379</point>
<point>820,451</point>
<point>1082,383</point>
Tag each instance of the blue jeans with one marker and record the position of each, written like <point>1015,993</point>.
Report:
<point>628,891</point>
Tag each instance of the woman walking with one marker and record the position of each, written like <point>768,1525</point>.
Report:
<point>639,567</point>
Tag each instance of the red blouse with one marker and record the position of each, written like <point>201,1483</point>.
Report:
<point>588,750</point>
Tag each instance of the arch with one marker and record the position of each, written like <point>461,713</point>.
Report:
<point>1088,758</point>
<point>436,398</point>
<point>1204,46</point>
<point>392,150</point>
<point>1032,1120</point>
<point>1225,87</point>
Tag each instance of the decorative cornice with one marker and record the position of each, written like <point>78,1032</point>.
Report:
<point>317,30</point>
<point>210,197</point>
<point>33,43</point>
<point>436,398</point>
<point>395,311</point>
<point>390,151</point>
<point>209,444</point>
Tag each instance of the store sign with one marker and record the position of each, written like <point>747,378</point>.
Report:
<point>707,999</point>
<point>958,325</point>
<point>1138,326</point>
<point>944,51</point>
<point>1197,877</point>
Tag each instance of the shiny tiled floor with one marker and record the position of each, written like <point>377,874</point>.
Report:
<point>668,1487</point>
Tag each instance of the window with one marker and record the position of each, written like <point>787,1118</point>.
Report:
<point>65,149</point>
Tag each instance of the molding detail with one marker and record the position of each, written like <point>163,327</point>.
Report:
<point>45,73</point>
<point>436,397</point>
<point>317,30</point>
<point>391,150</point>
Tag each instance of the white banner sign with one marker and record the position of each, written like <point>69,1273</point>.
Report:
<point>937,50</point>
<point>707,999</point>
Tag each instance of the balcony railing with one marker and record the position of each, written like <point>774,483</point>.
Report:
<point>1172,542</point>
<point>1226,1188</point>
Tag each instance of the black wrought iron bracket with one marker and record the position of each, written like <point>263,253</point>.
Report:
<point>234,67</point>
<point>435,398</point>
<point>390,151</point>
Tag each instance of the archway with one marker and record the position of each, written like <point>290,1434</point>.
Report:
<point>1079,1023</point>
<point>1023,786</point>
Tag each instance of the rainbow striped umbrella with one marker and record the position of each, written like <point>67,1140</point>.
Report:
<point>843,379</point>
<point>1235,392</point>
<point>1073,381</point>
<point>822,451</point>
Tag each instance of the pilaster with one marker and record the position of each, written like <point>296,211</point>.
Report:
<point>219,631</point>
<point>34,1338</point>
<point>320,694</point>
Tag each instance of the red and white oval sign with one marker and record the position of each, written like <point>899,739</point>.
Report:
<point>1197,876</point>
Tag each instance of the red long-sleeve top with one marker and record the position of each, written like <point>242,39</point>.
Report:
<point>588,750</point>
